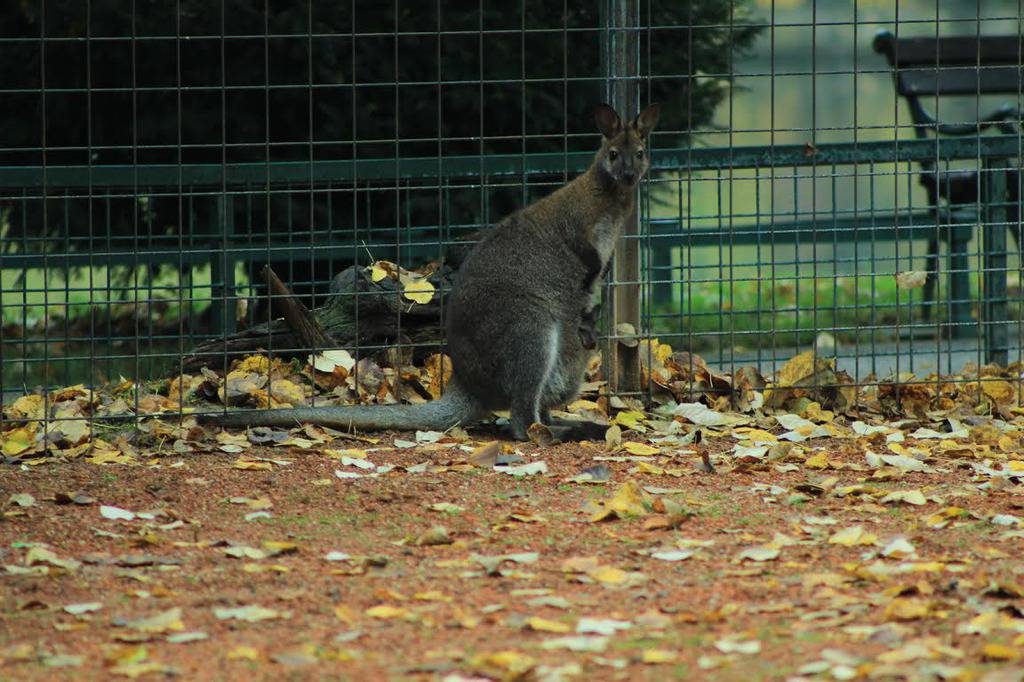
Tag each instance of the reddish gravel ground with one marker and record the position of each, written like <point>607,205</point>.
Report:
<point>816,606</point>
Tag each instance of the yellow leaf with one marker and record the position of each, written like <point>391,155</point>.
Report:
<point>1008,444</point>
<point>351,453</point>
<point>581,404</point>
<point>545,625</point>
<point>640,449</point>
<point>853,536</point>
<point>653,656</point>
<point>814,412</point>
<point>386,612</point>
<point>999,392</point>
<point>941,519</point>
<point>17,441</point>
<point>246,653</point>
<point>503,665</point>
<point>629,500</point>
<point>803,370</point>
<point>103,453</point>
<point>259,364</point>
<point>907,609</point>
<point>988,622</point>
<point>276,547</point>
<point>346,614</point>
<point>419,291</point>
<point>915,497</point>
<point>27,407</point>
<point>999,652</point>
<point>126,655</point>
<point>250,465</point>
<point>608,575</point>
<point>377,273</point>
<point>911,279</point>
<point>432,595</point>
<point>160,622</point>
<point>631,419</point>
<point>818,461</point>
<point>756,435</point>
<point>287,392</point>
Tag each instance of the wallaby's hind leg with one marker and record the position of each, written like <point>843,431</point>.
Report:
<point>539,360</point>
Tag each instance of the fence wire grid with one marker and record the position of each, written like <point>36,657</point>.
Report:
<point>833,177</point>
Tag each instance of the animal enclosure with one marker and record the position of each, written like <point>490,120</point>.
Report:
<point>835,177</point>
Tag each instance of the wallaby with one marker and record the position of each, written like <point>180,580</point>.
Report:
<point>523,306</point>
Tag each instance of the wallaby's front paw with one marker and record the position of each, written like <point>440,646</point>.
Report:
<point>588,338</point>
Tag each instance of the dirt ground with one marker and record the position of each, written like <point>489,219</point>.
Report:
<point>317,562</point>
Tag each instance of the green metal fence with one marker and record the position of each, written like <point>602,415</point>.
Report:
<point>157,156</point>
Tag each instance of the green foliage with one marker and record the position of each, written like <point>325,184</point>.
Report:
<point>257,82</point>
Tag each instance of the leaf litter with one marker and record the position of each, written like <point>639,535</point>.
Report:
<point>791,526</point>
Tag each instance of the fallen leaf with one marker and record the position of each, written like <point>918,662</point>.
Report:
<point>86,607</point>
<point>419,291</point>
<point>244,653</point>
<point>328,360</point>
<point>640,449</point>
<point>911,279</point>
<point>503,665</point>
<point>902,609</point>
<point>915,497</point>
<point>160,622</point>
<point>760,553</point>
<point>545,625</point>
<point>730,645</point>
<point>433,536</point>
<point>531,469</point>
<point>656,656</point>
<point>577,644</point>
<point>629,500</point>
<point>853,536</point>
<point>486,455</point>
<point>249,614</point>
<point>601,626</point>
<point>22,499</point>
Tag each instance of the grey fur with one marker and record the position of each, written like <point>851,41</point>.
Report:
<point>521,310</point>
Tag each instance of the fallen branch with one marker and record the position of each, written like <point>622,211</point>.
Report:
<point>296,315</point>
<point>357,312</point>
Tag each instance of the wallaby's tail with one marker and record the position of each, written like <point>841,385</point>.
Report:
<point>454,407</point>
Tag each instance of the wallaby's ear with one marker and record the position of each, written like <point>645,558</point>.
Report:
<point>607,120</point>
<point>646,120</point>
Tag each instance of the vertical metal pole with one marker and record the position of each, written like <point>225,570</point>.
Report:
<point>222,267</point>
<point>621,62</point>
<point>993,308</point>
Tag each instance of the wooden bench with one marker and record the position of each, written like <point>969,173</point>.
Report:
<point>966,66</point>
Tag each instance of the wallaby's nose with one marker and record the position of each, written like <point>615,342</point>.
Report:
<point>629,176</point>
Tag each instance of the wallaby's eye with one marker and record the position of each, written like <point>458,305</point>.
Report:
<point>612,155</point>
<point>639,153</point>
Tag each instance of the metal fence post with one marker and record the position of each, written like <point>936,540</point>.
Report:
<point>222,266</point>
<point>993,308</point>
<point>621,64</point>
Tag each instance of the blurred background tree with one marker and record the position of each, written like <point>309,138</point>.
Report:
<point>269,81</point>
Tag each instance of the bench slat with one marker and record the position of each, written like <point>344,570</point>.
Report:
<point>949,50</point>
<point>967,80</point>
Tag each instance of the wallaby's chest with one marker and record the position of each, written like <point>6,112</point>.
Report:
<point>606,232</point>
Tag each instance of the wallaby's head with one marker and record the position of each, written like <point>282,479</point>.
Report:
<point>623,153</point>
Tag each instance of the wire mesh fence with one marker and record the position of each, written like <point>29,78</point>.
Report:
<point>839,178</point>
